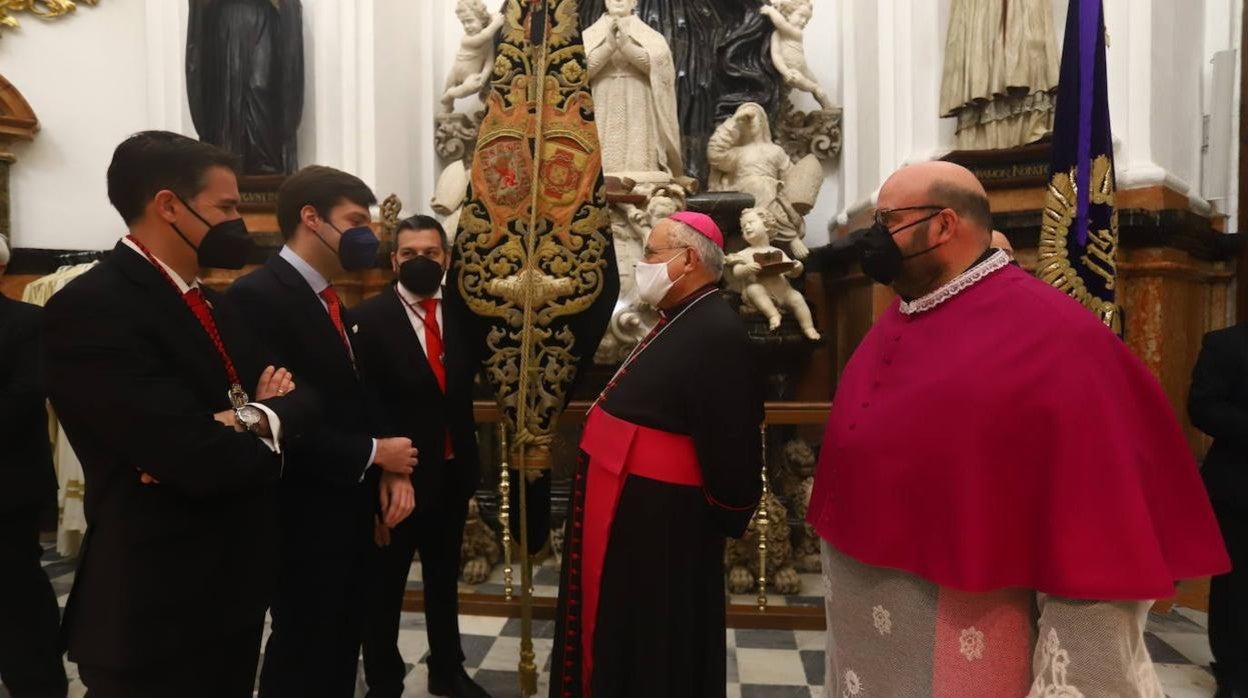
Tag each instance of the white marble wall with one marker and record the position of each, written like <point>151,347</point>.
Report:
<point>375,68</point>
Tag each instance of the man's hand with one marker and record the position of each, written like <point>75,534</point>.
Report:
<point>381,533</point>
<point>398,498</point>
<point>227,418</point>
<point>274,382</point>
<point>396,455</point>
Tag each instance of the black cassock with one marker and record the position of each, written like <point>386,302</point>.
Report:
<point>659,627</point>
<point>244,79</point>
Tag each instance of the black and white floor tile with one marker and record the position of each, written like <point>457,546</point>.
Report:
<point>761,663</point>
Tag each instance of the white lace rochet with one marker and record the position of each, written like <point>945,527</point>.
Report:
<point>998,260</point>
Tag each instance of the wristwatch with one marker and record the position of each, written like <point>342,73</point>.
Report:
<point>249,416</point>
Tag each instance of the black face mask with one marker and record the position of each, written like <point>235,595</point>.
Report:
<point>226,245</point>
<point>881,257</point>
<point>421,275</point>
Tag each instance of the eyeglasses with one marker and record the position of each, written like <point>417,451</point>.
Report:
<point>882,215</point>
<point>649,251</point>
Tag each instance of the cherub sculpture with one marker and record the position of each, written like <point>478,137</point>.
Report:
<point>788,48</point>
<point>762,271</point>
<point>475,60</point>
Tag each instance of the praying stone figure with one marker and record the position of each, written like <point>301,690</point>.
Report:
<point>633,80</point>
<point>762,274</point>
<point>1000,72</point>
<point>244,79</point>
<point>788,49</point>
<point>743,158</point>
<point>475,60</point>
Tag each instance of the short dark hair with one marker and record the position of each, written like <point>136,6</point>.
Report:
<point>322,188</point>
<point>152,161</point>
<point>422,222</point>
<point>968,203</point>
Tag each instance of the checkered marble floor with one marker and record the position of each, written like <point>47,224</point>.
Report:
<point>761,663</point>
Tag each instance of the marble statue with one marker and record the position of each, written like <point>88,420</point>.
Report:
<point>788,50</point>
<point>815,132</point>
<point>475,60</point>
<point>633,80</point>
<point>1000,72</point>
<point>722,59</point>
<point>762,273</point>
<point>449,194</point>
<point>743,158</point>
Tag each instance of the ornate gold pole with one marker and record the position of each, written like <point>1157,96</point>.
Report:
<point>529,454</point>
<point>504,508</point>
<point>763,523</point>
<point>528,658</point>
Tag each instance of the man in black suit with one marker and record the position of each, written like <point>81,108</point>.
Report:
<point>421,364</point>
<point>30,655</point>
<point>338,471</point>
<point>1218,406</point>
<point>149,373</point>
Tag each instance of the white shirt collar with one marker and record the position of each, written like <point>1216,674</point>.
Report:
<point>312,276</point>
<point>183,287</point>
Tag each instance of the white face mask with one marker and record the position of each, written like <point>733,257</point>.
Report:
<point>653,282</point>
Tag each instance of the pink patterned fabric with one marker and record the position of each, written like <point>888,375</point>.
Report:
<point>983,643</point>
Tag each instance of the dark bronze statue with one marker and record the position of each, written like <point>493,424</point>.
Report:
<point>244,79</point>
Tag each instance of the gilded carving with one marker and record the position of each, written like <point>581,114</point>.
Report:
<point>533,248</point>
<point>44,9</point>
<point>1054,265</point>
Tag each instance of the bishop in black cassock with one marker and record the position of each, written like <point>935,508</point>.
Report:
<point>670,465</point>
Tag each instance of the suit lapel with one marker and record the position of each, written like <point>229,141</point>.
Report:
<point>177,324</point>
<point>407,344</point>
<point>314,317</point>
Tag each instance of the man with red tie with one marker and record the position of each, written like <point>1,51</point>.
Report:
<point>339,469</point>
<point>418,360</point>
<point>149,373</point>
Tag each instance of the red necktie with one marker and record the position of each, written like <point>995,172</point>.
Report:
<point>195,300</point>
<point>335,313</point>
<point>433,340</point>
<point>434,351</point>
